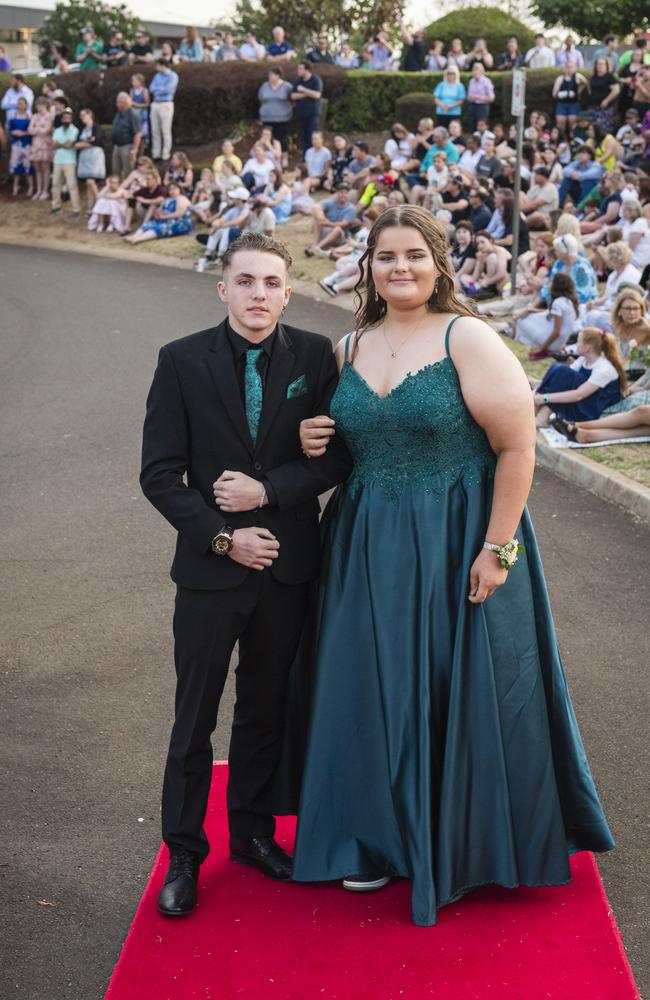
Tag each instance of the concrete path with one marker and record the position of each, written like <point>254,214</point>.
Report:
<point>86,668</point>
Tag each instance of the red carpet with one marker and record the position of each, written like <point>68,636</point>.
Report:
<point>254,939</point>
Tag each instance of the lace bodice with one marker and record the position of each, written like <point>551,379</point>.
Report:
<point>420,434</point>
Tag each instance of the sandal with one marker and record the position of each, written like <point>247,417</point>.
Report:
<point>563,427</point>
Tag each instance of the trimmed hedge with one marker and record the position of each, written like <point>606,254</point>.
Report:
<point>493,24</point>
<point>369,100</point>
<point>213,99</point>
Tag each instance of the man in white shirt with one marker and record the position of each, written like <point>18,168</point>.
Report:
<point>317,159</point>
<point>11,97</point>
<point>541,55</point>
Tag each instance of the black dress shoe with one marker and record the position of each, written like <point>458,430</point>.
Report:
<point>178,894</point>
<point>265,854</point>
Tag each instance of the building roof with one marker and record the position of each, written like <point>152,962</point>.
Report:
<point>14,18</point>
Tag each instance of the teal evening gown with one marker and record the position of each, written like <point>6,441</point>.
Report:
<point>442,743</point>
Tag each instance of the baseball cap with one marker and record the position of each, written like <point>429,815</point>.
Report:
<point>632,113</point>
<point>239,194</point>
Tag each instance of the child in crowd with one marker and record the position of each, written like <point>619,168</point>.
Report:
<point>109,211</point>
<point>41,127</point>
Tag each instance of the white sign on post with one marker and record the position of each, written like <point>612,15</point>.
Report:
<point>518,91</point>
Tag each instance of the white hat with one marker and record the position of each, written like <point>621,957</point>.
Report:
<point>239,194</point>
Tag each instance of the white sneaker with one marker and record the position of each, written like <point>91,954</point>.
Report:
<point>365,883</point>
<point>110,229</point>
<point>199,265</point>
<point>100,229</point>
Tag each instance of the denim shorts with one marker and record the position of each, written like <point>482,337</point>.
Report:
<point>566,108</point>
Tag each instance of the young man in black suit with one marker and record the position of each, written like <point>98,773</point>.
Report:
<point>223,417</point>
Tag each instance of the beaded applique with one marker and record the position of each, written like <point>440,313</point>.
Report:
<point>420,434</point>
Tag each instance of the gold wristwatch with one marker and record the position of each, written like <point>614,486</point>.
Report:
<point>222,543</point>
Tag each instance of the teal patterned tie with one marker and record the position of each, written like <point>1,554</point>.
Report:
<point>253,391</point>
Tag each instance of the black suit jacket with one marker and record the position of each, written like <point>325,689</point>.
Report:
<point>195,428</point>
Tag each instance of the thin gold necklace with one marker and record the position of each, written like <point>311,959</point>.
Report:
<point>394,353</point>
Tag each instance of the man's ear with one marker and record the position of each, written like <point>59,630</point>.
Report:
<point>223,291</point>
<point>287,295</point>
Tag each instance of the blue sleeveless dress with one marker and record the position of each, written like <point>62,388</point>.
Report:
<point>442,744</point>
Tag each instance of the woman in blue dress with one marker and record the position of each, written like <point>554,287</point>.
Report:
<point>20,159</point>
<point>442,743</point>
<point>172,218</point>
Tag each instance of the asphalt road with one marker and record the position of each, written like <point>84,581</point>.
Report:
<point>86,667</point>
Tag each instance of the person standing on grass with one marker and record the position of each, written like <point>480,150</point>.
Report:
<point>126,133</point>
<point>64,142</point>
<point>306,95</point>
<point>41,127</point>
<point>20,160</point>
<point>480,96</point>
<point>91,159</point>
<point>224,411</point>
<point>163,91</point>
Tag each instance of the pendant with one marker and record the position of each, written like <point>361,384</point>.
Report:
<point>393,355</point>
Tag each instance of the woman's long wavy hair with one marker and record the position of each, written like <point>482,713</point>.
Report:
<point>370,306</point>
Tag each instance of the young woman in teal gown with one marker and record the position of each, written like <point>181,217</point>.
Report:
<point>442,745</point>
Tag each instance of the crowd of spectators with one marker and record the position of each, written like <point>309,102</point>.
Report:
<point>583,209</point>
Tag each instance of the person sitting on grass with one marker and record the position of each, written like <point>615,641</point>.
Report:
<point>146,199</point>
<point>109,210</point>
<point>633,423</point>
<point>205,196</point>
<point>172,218</point>
<point>586,387</point>
<point>548,330</point>
<point>347,270</point>
<point>619,258</point>
<point>256,170</point>
<point>332,219</point>
<point>490,271</point>
<point>277,197</point>
<point>233,215</point>
<point>180,171</point>
<point>317,159</point>
<point>463,250</point>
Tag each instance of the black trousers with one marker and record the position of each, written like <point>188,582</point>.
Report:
<point>306,127</point>
<point>267,618</point>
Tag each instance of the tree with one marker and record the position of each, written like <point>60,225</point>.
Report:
<point>304,20</point>
<point>592,19</point>
<point>491,23</point>
<point>67,19</point>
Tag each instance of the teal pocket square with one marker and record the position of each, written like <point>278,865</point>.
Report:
<point>297,387</point>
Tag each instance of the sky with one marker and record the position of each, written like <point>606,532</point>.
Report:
<point>418,12</point>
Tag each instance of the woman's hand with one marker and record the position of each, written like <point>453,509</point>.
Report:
<point>315,434</point>
<point>485,576</point>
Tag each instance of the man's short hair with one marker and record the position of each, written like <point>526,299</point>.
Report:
<point>18,76</point>
<point>306,63</point>
<point>259,242</point>
<point>361,145</point>
<point>162,61</point>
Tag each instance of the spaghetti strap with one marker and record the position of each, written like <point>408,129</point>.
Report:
<point>447,332</point>
<point>347,345</point>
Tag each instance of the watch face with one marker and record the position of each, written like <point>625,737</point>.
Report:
<point>221,545</point>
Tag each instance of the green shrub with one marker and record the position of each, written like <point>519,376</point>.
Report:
<point>496,26</point>
<point>411,107</point>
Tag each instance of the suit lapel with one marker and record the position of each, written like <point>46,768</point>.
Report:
<point>222,368</point>
<point>277,381</point>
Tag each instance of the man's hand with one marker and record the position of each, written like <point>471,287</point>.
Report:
<point>315,435</point>
<point>236,492</point>
<point>254,547</point>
